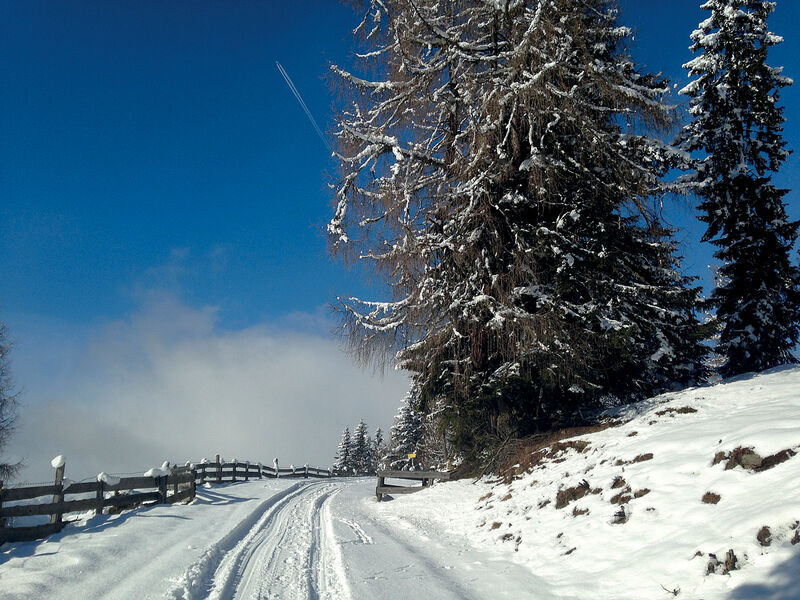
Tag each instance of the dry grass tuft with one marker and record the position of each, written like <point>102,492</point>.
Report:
<point>643,457</point>
<point>749,459</point>
<point>618,482</point>
<point>567,495</point>
<point>764,536</point>
<point>523,455</point>
<point>623,497</point>
<point>683,410</point>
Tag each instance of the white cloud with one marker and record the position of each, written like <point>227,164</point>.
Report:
<point>166,383</point>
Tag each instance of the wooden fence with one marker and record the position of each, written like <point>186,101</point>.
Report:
<point>217,472</point>
<point>426,477</point>
<point>175,485</point>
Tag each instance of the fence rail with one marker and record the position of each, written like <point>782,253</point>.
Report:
<point>426,477</point>
<point>168,486</point>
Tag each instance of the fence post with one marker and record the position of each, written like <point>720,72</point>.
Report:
<point>58,497</point>
<point>234,471</point>
<point>247,471</point>
<point>162,489</point>
<point>219,470</point>
<point>260,470</point>
<point>202,473</point>
<point>277,471</point>
<point>381,481</point>
<point>175,478</point>
<point>98,510</point>
<point>2,519</point>
<point>306,467</point>
<point>194,483</point>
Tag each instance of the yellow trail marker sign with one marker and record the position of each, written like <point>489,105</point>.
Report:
<point>412,455</point>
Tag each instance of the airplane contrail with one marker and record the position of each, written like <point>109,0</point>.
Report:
<point>297,95</point>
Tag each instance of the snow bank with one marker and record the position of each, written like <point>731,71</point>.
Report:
<point>655,504</point>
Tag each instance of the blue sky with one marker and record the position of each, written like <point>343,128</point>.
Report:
<point>161,187</point>
<point>141,136</point>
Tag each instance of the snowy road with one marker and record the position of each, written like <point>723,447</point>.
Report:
<point>313,539</point>
<point>288,553</point>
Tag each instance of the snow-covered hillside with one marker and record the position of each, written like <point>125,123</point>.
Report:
<point>647,509</point>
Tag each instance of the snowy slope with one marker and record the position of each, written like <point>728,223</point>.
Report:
<point>665,539</point>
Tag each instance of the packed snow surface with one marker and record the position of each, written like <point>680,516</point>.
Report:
<point>261,539</point>
<point>618,514</point>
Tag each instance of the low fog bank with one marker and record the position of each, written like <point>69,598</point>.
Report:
<point>166,383</point>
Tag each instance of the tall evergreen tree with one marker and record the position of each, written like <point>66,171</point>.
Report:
<point>406,433</point>
<point>342,462</point>
<point>378,450</point>
<point>498,175</point>
<point>737,127</point>
<point>361,450</point>
<point>8,405</point>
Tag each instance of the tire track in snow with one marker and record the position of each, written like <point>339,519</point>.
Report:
<point>324,565</point>
<point>331,568</point>
<point>358,530</point>
<point>289,552</point>
<point>196,581</point>
<point>296,557</point>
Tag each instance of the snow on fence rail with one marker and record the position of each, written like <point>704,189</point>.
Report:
<point>168,484</point>
<point>426,477</point>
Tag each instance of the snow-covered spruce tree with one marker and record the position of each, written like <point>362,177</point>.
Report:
<point>406,433</point>
<point>495,173</point>
<point>342,462</point>
<point>736,128</point>
<point>8,404</point>
<point>378,450</point>
<point>361,456</point>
